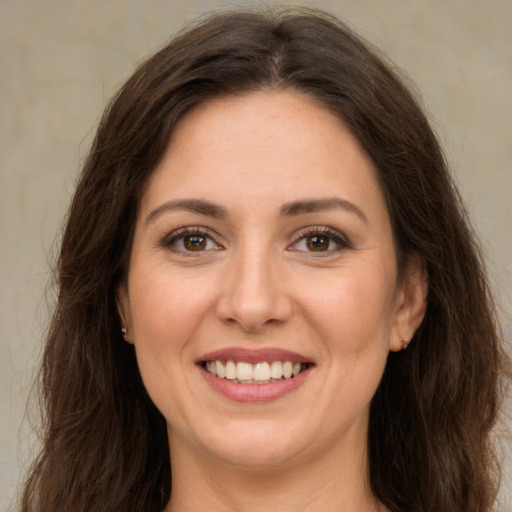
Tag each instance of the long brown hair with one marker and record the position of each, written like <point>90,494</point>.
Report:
<point>105,446</point>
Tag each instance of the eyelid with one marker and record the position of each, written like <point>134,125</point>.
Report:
<point>176,234</point>
<point>341,240</point>
<point>337,236</point>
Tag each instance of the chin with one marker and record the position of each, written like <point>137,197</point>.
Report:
<point>258,455</point>
<point>255,444</point>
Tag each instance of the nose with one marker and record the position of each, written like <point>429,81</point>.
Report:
<point>254,294</point>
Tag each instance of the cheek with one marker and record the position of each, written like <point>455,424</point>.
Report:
<point>355,325</point>
<point>166,313</point>
<point>165,305</point>
<point>356,303</point>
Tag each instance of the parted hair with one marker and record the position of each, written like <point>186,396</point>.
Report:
<point>104,443</point>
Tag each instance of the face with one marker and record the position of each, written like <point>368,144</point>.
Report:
<point>262,296</point>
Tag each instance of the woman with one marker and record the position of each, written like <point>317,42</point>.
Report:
<point>264,224</point>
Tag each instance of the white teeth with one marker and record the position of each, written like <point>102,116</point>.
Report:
<point>262,371</point>
<point>220,369</point>
<point>211,367</point>
<point>247,373</point>
<point>276,370</point>
<point>244,371</point>
<point>230,370</point>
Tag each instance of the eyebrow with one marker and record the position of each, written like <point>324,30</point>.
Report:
<point>292,208</point>
<point>191,205</point>
<point>316,205</point>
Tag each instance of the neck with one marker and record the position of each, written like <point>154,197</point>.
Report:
<point>328,484</point>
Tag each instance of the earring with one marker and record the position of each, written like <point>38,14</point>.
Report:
<point>124,330</point>
<point>404,343</point>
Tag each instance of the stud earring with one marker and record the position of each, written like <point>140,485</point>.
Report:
<point>124,330</point>
<point>404,343</point>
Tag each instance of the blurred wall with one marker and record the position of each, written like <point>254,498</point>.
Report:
<point>61,60</point>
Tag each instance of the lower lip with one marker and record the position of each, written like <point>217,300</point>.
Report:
<point>254,393</point>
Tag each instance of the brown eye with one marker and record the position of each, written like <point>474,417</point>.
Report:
<point>190,240</point>
<point>322,240</point>
<point>194,242</point>
<point>318,243</point>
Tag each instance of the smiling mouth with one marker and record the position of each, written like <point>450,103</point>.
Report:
<point>259,373</point>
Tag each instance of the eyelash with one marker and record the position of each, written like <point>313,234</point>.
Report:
<point>181,233</point>
<point>341,241</point>
<point>333,235</point>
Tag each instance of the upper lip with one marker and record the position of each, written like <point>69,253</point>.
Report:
<point>259,355</point>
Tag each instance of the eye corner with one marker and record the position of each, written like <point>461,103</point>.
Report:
<point>191,241</point>
<point>319,241</point>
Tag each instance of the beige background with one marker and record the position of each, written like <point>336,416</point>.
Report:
<point>61,60</point>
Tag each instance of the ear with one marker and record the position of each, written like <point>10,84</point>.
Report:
<point>410,303</point>
<point>124,310</point>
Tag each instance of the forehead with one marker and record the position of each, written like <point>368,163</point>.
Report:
<point>294,120</point>
<point>268,145</point>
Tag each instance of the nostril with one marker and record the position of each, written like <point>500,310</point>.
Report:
<point>253,312</point>
<point>253,297</point>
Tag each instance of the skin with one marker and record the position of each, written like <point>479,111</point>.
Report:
<point>254,281</point>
